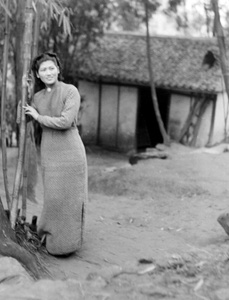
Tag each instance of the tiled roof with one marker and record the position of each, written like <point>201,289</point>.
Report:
<point>177,62</point>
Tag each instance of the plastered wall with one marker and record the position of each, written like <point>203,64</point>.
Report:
<point>109,115</point>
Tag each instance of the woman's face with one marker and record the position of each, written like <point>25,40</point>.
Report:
<point>48,72</point>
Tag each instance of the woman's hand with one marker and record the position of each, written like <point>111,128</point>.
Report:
<point>29,110</point>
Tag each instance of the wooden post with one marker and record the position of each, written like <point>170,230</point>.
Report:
<point>212,122</point>
<point>188,122</point>
<point>202,110</point>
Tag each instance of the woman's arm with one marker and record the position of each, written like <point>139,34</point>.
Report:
<point>68,114</point>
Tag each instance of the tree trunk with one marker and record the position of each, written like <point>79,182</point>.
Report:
<point>20,17</point>
<point>10,247</point>
<point>6,230</point>
<point>36,31</point>
<point>30,159</point>
<point>222,48</point>
<point>27,40</point>
<point>166,140</point>
<point>3,103</point>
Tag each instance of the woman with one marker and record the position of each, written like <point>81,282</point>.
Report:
<point>63,159</point>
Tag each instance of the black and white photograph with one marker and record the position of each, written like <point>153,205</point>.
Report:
<point>114,144</point>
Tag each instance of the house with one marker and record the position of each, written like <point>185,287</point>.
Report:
<point>118,112</point>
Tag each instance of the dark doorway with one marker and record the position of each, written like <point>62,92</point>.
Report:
<point>148,133</point>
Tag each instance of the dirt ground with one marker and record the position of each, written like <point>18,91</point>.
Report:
<point>152,229</point>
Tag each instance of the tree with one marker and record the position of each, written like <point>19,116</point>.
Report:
<point>24,45</point>
<point>222,47</point>
<point>127,15</point>
<point>3,100</point>
<point>88,21</point>
<point>151,75</point>
<point>143,11</point>
<point>8,242</point>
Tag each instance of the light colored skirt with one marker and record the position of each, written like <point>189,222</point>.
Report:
<point>64,172</point>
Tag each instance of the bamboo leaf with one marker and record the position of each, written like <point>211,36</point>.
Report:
<point>44,25</point>
<point>56,8</point>
<point>69,28</point>
<point>61,18</point>
<point>6,8</point>
<point>43,2</point>
<point>60,13</point>
<point>51,9</point>
<point>34,6</point>
<point>66,24</point>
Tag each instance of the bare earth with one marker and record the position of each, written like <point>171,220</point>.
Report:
<point>152,229</point>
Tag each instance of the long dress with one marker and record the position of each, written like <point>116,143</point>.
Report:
<point>64,169</point>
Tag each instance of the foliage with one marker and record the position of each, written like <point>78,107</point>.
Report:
<point>180,17</point>
<point>57,10</point>
<point>130,15</point>
<point>88,21</point>
<point>173,4</point>
<point>196,17</point>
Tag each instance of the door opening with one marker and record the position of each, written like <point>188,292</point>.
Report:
<point>148,134</point>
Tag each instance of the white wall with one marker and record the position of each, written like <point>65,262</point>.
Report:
<point>204,130</point>
<point>127,117</point>
<point>119,112</point>
<point>178,112</point>
<point>220,115</point>
<point>109,115</point>
<point>113,125</point>
<point>118,117</point>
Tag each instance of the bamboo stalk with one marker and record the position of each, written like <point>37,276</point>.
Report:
<point>28,141</point>
<point>3,102</point>
<point>25,175</point>
<point>36,29</point>
<point>27,58</point>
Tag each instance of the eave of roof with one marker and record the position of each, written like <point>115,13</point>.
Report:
<point>177,62</point>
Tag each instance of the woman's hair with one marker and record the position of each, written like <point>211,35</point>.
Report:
<point>36,65</point>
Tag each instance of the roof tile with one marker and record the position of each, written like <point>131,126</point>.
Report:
<point>177,62</point>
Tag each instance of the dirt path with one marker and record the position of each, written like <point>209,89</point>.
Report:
<point>154,210</point>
